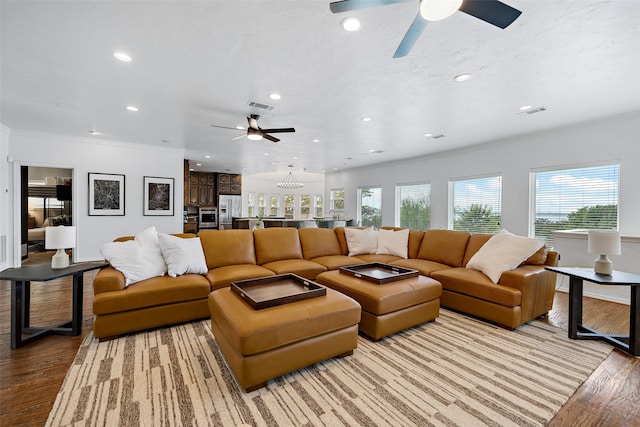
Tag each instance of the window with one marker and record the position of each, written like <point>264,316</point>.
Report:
<point>413,206</point>
<point>475,204</point>
<point>576,198</point>
<point>305,206</point>
<point>274,205</point>
<point>337,199</point>
<point>261,204</point>
<point>318,205</point>
<point>250,202</point>
<point>370,209</point>
<point>289,205</point>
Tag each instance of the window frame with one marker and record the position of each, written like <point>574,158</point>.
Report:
<point>398,203</point>
<point>451,215</point>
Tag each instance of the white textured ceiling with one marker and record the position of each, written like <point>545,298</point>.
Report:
<point>197,63</point>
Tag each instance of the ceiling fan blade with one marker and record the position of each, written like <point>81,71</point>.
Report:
<point>278,130</point>
<point>223,127</point>
<point>239,137</point>
<point>270,138</point>
<point>349,5</point>
<point>413,34</point>
<point>492,11</point>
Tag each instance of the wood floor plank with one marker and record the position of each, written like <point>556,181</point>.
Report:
<point>31,376</point>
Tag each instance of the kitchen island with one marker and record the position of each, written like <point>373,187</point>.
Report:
<point>243,222</point>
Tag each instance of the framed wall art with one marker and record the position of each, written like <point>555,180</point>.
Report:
<point>158,196</point>
<point>106,194</point>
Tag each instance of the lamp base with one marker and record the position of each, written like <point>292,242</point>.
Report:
<point>60,260</point>
<point>603,265</point>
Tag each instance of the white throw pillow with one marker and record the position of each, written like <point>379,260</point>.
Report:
<point>361,241</point>
<point>393,242</point>
<point>182,256</point>
<point>503,252</point>
<point>134,260</point>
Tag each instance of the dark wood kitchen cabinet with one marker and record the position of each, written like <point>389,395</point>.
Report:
<point>202,189</point>
<point>229,183</point>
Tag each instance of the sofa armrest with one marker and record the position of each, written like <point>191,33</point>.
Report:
<point>108,280</point>
<point>537,286</point>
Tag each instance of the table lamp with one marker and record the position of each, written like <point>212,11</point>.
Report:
<point>603,243</point>
<point>60,238</point>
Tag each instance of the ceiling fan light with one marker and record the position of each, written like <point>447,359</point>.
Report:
<point>436,10</point>
<point>254,134</point>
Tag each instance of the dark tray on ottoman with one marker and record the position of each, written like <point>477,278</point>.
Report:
<point>276,290</point>
<point>379,273</point>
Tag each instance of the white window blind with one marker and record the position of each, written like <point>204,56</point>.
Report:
<point>575,198</point>
<point>337,199</point>
<point>413,206</point>
<point>476,204</point>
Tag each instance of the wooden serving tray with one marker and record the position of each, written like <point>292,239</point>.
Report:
<point>379,273</point>
<point>276,290</point>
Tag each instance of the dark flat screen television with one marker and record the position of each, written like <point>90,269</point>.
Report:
<point>63,192</point>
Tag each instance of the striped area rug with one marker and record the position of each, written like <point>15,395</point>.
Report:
<point>454,371</point>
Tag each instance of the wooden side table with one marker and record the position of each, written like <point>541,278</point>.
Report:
<point>630,343</point>
<point>21,279</point>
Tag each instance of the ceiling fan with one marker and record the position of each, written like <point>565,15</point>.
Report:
<point>492,11</point>
<point>255,132</point>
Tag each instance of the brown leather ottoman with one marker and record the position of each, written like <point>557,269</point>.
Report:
<point>390,307</point>
<point>260,345</point>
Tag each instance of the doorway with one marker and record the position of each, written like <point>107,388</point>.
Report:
<point>46,200</point>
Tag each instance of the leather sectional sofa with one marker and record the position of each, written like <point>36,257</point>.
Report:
<point>522,294</point>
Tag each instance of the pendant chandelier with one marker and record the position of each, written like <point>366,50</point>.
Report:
<point>290,183</point>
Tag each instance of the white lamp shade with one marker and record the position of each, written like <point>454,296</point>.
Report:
<point>604,242</point>
<point>436,10</point>
<point>60,237</point>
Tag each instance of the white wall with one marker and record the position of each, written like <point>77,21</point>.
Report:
<point>6,215</point>
<point>613,139</point>
<point>85,155</point>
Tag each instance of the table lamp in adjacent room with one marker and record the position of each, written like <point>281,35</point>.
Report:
<point>603,243</point>
<point>60,238</point>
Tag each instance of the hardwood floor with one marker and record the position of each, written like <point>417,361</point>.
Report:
<point>31,376</point>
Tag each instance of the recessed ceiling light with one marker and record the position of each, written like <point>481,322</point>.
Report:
<point>121,56</point>
<point>266,154</point>
<point>240,127</point>
<point>132,108</point>
<point>526,107</point>
<point>207,156</point>
<point>462,77</point>
<point>274,96</point>
<point>366,119</point>
<point>191,169</point>
<point>295,157</point>
<point>316,140</point>
<point>335,169</point>
<point>198,164</point>
<point>94,132</point>
<point>428,135</point>
<point>350,23</point>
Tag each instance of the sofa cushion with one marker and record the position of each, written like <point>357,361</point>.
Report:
<point>334,262</point>
<point>415,239</point>
<point>392,242</point>
<point>138,259</point>
<point>275,244</point>
<point>385,259</point>
<point>223,276</point>
<point>318,242</point>
<point>424,266</point>
<point>476,241</point>
<point>475,284</point>
<point>538,258</point>
<point>227,247</point>
<point>182,255</point>
<point>444,246</point>
<point>502,252</point>
<point>152,292</point>
<point>361,241</point>
<point>301,267</point>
